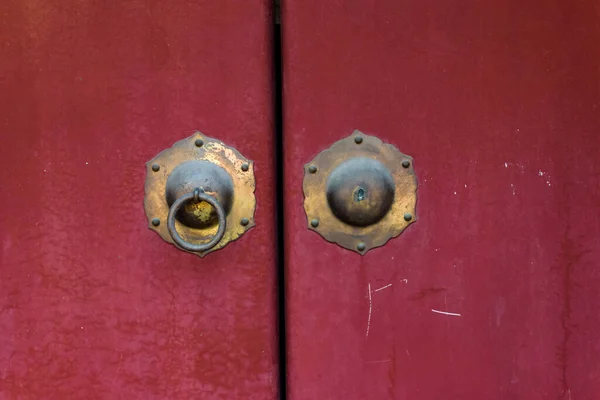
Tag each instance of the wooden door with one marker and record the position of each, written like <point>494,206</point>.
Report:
<point>93,305</point>
<point>493,292</point>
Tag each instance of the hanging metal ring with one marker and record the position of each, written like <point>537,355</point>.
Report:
<point>197,195</point>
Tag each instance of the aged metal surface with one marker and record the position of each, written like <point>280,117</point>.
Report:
<point>357,192</point>
<point>93,305</point>
<point>195,198</point>
<point>498,102</point>
<point>219,171</point>
<point>360,191</point>
<point>211,179</point>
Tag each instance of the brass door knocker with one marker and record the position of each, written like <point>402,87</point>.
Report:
<point>204,190</point>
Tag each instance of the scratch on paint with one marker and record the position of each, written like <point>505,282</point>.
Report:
<point>377,361</point>
<point>446,313</point>
<point>545,176</point>
<point>370,311</point>
<point>381,288</point>
<point>519,166</point>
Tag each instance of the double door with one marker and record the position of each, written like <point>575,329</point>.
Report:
<point>490,293</point>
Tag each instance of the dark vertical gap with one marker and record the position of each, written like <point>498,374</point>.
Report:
<point>279,196</point>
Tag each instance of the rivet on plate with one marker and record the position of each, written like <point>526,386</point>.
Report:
<point>155,221</point>
<point>312,169</point>
<point>358,139</point>
<point>244,221</point>
<point>245,167</point>
<point>407,217</point>
<point>361,246</point>
<point>155,167</point>
<point>406,163</point>
<point>314,223</point>
<point>199,142</point>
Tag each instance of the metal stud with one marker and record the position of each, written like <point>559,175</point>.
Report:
<point>407,217</point>
<point>155,167</point>
<point>361,246</point>
<point>358,139</point>
<point>312,169</point>
<point>155,221</point>
<point>199,142</point>
<point>406,163</point>
<point>245,167</point>
<point>314,223</point>
<point>244,221</point>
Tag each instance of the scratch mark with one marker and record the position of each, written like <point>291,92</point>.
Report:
<point>151,19</point>
<point>370,311</point>
<point>446,313</point>
<point>377,361</point>
<point>384,287</point>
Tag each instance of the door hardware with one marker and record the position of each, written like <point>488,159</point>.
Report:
<point>360,192</point>
<point>203,190</point>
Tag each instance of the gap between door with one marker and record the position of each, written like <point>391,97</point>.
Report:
<point>279,193</point>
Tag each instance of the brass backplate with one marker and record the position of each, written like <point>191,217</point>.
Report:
<point>200,147</point>
<point>344,212</point>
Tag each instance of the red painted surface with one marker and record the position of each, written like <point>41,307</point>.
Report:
<point>93,305</point>
<point>499,104</point>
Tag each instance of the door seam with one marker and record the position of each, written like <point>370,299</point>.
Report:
<point>277,86</point>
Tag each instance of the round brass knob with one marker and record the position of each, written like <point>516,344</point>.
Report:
<point>360,191</point>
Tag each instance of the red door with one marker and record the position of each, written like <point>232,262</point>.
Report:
<point>490,294</point>
<point>93,305</point>
<point>493,292</point>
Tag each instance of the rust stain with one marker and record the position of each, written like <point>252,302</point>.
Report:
<point>392,372</point>
<point>570,254</point>
<point>427,292</point>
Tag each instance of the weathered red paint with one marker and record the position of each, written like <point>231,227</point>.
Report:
<point>499,104</point>
<point>93,305</point>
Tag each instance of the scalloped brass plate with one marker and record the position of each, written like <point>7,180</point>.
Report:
<point>360,192</point>
<point>199,147</point>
